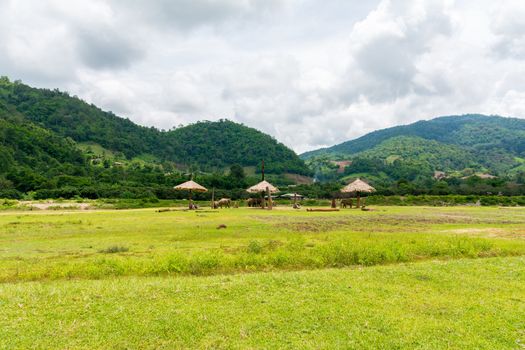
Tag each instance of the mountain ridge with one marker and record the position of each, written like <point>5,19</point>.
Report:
<point>429,129</point>
<point>206,145</point>
<point>459,145</point>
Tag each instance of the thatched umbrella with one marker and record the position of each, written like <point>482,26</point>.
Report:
<point>190,186</point>
<point>264,186</point>
<point>358,187</point>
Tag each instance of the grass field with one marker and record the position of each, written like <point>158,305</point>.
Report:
<point>396,277</point>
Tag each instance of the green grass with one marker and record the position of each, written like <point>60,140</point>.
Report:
<point>459,304</point>
<point>64,245</point>
<point>393,278</point>
<point>96,150</point>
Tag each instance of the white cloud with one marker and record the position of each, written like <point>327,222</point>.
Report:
<point>311,73</point>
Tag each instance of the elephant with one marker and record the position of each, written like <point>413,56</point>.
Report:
<point>254,202</point>
<point>223,202</point>
<point>346,202</point>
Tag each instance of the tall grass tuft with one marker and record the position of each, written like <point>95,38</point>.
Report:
<point>114,249</point>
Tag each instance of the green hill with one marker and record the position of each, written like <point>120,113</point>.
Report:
<point>32,155</point>
<point>474,130</point>
<point>207,146</point>
<point>454,144</point>
<point>218,144</point>
<point>428,153</point>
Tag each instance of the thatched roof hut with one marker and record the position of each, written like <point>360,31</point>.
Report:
<point>191,186</point>
<point>358,186</point>
<point>261,187</point>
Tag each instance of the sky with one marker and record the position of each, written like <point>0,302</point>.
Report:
<point>311,73</point>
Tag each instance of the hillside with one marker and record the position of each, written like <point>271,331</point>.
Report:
<point>455,143</point>
<point>474,130</point>
<point>217,144</point>
<point>31,155</point>
<point>206,145</point>
<point>418,150</point>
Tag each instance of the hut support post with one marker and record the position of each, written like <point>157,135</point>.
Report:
<point>213,198</point>
<point>191,202</point>
<point>262,200</point>
<point>358,200</point>
<point>270,204</point>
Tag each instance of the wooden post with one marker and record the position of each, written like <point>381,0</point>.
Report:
<point>262,200</point>
<point>190,206</point>
<point>333,203</point>
<point>358,206</point>
<point>269,198</point>
<point>213,198</point>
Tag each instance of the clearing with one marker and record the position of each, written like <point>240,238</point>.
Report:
<point>397,277</point>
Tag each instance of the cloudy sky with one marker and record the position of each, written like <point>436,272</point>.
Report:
<point>311,73</point>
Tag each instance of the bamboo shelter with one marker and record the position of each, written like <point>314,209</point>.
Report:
<point>261,187</point>
<point>190,186</point>
<point>358,187</point>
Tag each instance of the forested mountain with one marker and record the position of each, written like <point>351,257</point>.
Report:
<point>462,145</point>
<point>215,144</point>
<point>31,155</point>
<point>55,145</point>
<point>205,145</point>
<point>474,130</point>
<point>71,117</point>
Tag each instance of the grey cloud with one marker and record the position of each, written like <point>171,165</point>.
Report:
<point>383,68</point>
<point>309,72</point>
<point>509,29</point>
<point>191,14</point>
<point>106,49</point>
<point>388,63</point>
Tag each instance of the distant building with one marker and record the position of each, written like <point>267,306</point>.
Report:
<point>440,175</point>
<point>291,196</point>
<point>481,176</point>
<point>342,164</point>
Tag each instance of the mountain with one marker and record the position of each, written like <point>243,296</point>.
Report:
<point>31,155</point>
<point>205,145</point>
<point>222,143</point>
<point>463,143</point>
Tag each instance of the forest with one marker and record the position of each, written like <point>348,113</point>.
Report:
<point>53,145</point>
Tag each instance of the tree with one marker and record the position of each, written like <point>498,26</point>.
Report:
<point>237,176</point>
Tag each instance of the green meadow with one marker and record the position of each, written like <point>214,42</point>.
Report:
<point>391,278</point>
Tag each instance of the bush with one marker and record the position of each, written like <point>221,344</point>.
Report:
<point>254,247</point>
<point>114,249</point>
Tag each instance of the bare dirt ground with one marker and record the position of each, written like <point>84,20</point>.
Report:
<point>51,205</point>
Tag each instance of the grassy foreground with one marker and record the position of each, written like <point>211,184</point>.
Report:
<point>460,304</point>
<point>64,245</point>
<point>444,278</point>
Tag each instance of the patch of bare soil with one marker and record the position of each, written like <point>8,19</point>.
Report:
<point>376,223</point>
<point>50,205</point>
<point>491,232</point>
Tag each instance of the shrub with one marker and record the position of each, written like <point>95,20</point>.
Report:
<point>114,249</point>
<point>254,247</point>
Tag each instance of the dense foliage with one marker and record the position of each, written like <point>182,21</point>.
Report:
<point>205,145</point>
<point>53,145</point>
<point>459,146</point>
<point>214,144</point>
<point>71,117</point>
<point>474,130</point>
